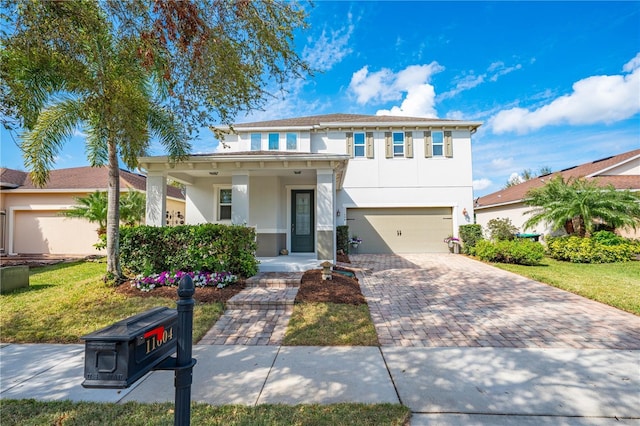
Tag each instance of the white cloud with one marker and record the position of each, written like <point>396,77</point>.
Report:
<point>596,99</point>
<point>329,49</point>
<point>412,83</point>
<point>480,184</point>
<point>501,163</point>
<point>471,80</point>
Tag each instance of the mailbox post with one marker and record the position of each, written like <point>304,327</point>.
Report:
<point>120,354</point>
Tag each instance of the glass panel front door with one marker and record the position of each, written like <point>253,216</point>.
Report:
<point>302,221</point>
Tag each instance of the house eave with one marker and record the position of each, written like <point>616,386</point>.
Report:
<point>406,125</point>
<point>489,206</point>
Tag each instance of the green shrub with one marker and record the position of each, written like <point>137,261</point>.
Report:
<point>206,247</point>
<point>608,238</point>
<point>501,229</point>
<point>470,235</point>
<point>521,252</point>
<point>575,249</point>
<point>342,235</point>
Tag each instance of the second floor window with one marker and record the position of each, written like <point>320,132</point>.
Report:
<point>274,141</point>
<point>437,143</point>
<point>358,145</point>
<point>292,142</point>
<point>256,141</point>
<point>398,144</point>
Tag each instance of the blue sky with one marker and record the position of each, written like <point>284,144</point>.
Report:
<point>556,84</point>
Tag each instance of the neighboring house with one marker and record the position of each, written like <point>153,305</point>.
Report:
<point>30,220</point>
<point>401,184</point>
<point>622,171</point>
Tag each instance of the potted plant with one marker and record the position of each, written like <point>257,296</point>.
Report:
<point>355,241</point>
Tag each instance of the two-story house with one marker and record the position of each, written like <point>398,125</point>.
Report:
<point>401,184</point>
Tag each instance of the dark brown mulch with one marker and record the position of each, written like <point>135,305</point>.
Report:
<point>202,294</point>
<point>340,289</point>
<point>344,258</point>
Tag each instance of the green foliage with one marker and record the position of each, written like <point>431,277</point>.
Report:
<point>582,201</point>
<point>342,235</point>
<point>575,249</point>
<point>608,238</point>
<point>470,235</point>
<point>207,247</point>
<point>501,229</point>
<point>521,252</point>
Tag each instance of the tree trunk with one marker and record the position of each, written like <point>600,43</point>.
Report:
<point>113,216</point>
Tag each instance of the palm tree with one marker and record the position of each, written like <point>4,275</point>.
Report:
<point>84,77</point>
<point>132,208</point>
<point>93,207</point>
<point>584,203</point>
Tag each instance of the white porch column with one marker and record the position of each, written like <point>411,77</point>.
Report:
<point>156,209</point>
<point>240,198</point>
<point>325,214</point>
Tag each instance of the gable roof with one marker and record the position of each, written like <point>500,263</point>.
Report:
<point>336,120</point>
<point>593,170</point>
<point>78,178</point>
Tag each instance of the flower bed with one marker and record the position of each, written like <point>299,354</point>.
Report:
<point>200,279</point>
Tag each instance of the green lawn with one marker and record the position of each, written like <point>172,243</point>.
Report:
<point>615,284</point>
<point>330,324</point>
<point>30,412</point>
<point>66,301</point>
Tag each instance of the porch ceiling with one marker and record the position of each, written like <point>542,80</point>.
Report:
<point>256,164</point>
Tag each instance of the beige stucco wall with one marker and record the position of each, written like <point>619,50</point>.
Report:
<point>33,224</point>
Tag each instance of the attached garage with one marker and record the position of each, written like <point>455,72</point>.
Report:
<point>401,230</point>
<point>46,232</point>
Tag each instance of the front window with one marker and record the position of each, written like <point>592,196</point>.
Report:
<point>437,143</point>
<point>224,206</point>
<point>274,141</point>
<point>358,144</point>
<point>256,141</point>
<point>292,142</point>
<point>398,144</point>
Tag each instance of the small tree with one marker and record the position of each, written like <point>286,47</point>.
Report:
<point>501,229</point>
<point>582,202</point>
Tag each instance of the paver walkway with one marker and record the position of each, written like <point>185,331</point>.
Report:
<point>259,314</point>
<point>446,300</point>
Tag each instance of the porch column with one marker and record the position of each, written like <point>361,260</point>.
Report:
<point>240,198</point>
<point>156,206</point>
<point>325,214</point>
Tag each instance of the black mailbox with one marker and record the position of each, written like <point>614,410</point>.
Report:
<point>120,354</point>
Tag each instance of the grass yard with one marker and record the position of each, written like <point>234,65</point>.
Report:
<point>30,412</point>
<point>68,300</point>
<point>615,284</point>
<point>330,324</point>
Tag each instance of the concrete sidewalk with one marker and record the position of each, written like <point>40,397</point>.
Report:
<point>464,386</point>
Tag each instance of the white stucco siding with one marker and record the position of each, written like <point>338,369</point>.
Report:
<point>630,168</point>
<point>266,204</point>
<point>200,202</point>
<point>515,213</point>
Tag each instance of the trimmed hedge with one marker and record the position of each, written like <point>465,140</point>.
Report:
<point>470,235</point>
<point>207,247</point>
<point>521,252</point>
<point>591,250</point>
<point>342,235</point>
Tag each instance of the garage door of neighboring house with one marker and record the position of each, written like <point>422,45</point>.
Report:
<point>401,230</point>
<point>44,232</point>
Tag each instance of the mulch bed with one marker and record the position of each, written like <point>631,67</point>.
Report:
<point>340,289</point>
<point>202,294</point>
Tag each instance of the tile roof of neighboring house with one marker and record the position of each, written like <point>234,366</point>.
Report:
<point>315,120</point>
<point>90,178</point>
<point>595,169</point>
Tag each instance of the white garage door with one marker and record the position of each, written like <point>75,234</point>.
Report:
<point>401,230</point>
<point>44,232</point>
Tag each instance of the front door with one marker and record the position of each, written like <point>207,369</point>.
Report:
<point>302,220</point>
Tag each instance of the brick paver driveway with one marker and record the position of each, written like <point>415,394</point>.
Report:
<point>450,300</point>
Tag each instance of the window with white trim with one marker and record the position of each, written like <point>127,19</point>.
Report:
<point>274,141</point>
<point>437,143</point>
<point>292,142</point>
<point>398,144</point>
<point>224,204</point>
<point>358,145</point>
<point>256,141</point>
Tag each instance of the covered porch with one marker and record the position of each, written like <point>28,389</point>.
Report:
<point>289,198</point>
